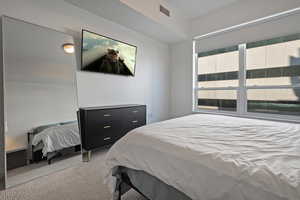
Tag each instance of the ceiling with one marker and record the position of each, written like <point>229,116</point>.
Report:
<point>192,9</point>
<point>116,11</point>
<point>147,19</point>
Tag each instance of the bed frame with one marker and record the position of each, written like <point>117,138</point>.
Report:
<point>123,185</point>
<point>140,181</point>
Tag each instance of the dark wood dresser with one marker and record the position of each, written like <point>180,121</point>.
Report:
<point>101,126</point>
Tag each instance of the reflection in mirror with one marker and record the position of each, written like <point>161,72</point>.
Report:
<point>40,93</point>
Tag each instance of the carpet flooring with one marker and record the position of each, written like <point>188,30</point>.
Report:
<point>81,182</point>
<point>29,172</point>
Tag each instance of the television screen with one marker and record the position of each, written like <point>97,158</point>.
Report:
<point>106,55</point>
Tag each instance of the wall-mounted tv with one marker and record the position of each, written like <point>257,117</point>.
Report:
<point>106,55</point>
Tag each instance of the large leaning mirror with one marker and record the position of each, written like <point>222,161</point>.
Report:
<point>41,131</point>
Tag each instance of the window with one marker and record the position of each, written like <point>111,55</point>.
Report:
<point>218,79</point>
<point>275,101</point>
<point>217,99</point>
<point>259,78</point>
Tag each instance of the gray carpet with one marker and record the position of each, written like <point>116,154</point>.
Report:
<point>81,182</point>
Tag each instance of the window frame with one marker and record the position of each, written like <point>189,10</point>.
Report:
<point>241,89</point>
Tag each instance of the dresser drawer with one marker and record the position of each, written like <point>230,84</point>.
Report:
<point>132,121</point>
<point>103,116</point>
<point>135,113</point>
<point>101,134</point>
<point>132,124</point>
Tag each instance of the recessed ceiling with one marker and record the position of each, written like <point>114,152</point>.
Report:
<point>170,30</point>
<point>117,11</point>
<point>191,9</point>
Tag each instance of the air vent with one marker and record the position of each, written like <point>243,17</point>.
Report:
<point>164,10</point>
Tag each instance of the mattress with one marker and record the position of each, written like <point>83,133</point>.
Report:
<point>214,157</point>
<point>58,137</point>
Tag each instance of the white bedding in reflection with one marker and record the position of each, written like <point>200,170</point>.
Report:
<point>214,157</point>
<point>58,137</point>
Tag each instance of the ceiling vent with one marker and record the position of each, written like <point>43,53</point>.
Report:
<point>164,10</point>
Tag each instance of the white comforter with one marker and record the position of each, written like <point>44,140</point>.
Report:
<point>58,137</point>
<point>211,157</point>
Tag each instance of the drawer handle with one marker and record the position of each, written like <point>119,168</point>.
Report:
<point>135,111</point>
<point>107,138</point>
<point>107,115</point>
<point>135,121</point>
<point>106,127</point>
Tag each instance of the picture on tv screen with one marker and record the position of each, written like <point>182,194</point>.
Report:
<point>106,55</point>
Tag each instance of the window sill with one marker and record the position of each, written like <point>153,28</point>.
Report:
<point>273,117</point>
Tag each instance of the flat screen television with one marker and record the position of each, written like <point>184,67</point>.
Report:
<point>106,55</point>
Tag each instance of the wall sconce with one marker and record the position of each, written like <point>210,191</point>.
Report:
<point>68,48</point>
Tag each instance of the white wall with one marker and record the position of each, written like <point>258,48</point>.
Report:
<point>151,84</point>
<point>181,81</point>
<point>233,14</point>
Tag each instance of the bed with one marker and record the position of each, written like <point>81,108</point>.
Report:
<point>208,157</point>
<point>48,141</point>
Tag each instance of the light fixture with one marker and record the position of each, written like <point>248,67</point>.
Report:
<point>68,47</point>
